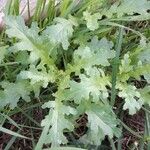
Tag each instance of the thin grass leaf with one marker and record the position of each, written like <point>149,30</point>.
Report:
<point>8,7</point>
<point>65,148</point>
<point>10,120</point>
<point>32,135</point>
<point>17,110</point>
<point>10,143</point>
<point>115,66</point>
<point>119,145</point>
<point>106,22</point>
<point>146,110</point>
<point>50,10</point>
<point>30,118</point>
<point>16,7</point>
<point>147,126</point>
<point>63,6</point>
<point>112,144</point>
<point>12,133</point>
<point>29,127</point>
<point>38,10</point>
<point>130,130</point>
<point>13,139</point>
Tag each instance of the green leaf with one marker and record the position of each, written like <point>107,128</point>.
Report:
<point>101,122</point>
<point>36,76</point>
<point>147,77</point>
<point>92,20</point>
<point>125,64</point>
<point>93,86</point>
<point>3,52</point>
<point>23,57</point>
<point>131,6</point>
<point>103,49</point>
<point>132,98</point>
<point>60,32</point>
<point>2,129</point>
<point>125,68</point>
<point>141,69</point>
<point>145,95</point>
<point>29,39</point>
<point>55,123</point>
<point>128,7</point>
<point>96,53</point>
<point>13,92</point>
<point>144,57</point>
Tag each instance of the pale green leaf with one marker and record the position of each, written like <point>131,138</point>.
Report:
<point>92,20</point>
<point>145,95</point>
<point>29,39</point>
<point>125,68</point>
<point>147,77</point>
<point>36,76</point>
<point>60,32</point>
<point>55,123</point>
<point>125,65</point>
<point>144,56</point>
<point>13,92</point>
<point>101,122</point>
<point>3,52</point>
<point>96,53</point>
<point>128,7</point>
<point>133,6</point>
<point>23,57</point>
<point>132,98</point>
<point>93,86</point>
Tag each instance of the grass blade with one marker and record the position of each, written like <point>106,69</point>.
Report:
<point>10,143</point>
<point>63,7</point>
<point>130,130</point>
<point>38,9</point>
<point>147,126</point>
<point>112,144</point>
<point>10,120</point>
<point>65,148</point>
<point>30,118</point>
<point>12,133</point>
<point>115,66</point>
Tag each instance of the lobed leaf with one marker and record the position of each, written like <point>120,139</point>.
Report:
<point>93,86</point>
<point>60,32</point>
<point>13,92</point>
<point>55,123</point>
<point>29,40</point>
<point>101,122</point>
<point>132,97</point>
<point>92,20</point>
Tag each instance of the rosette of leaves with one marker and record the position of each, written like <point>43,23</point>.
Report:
<point>83,84</point>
